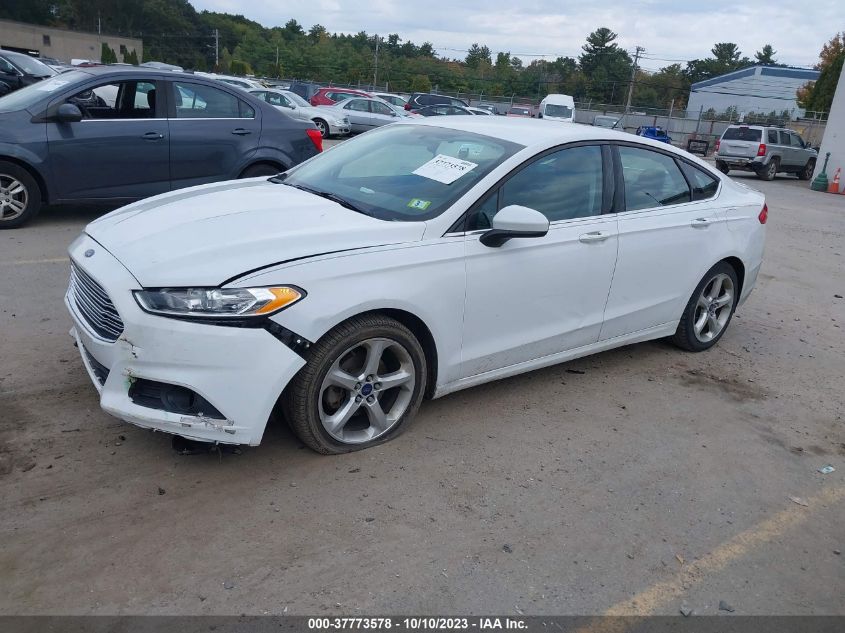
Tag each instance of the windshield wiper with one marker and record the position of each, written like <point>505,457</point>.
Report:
<point>329,196</point>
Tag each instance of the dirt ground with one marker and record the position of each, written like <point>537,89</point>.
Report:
<point>635,481</point>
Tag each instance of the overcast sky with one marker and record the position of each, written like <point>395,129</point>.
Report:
<point>666,28</point>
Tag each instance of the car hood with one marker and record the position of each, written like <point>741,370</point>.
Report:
<point>210,234</point>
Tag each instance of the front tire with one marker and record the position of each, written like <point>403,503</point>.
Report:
<point>323,127</point>
<point>807,172</point>
<point>20,196</point>
<point>361,386</point>
<point>709,310</point>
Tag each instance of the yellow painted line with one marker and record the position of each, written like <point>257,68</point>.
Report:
<point>24,262</point>
<point>651,599</point>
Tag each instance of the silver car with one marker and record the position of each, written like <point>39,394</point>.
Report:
<point>329,123</point>
<point>766,151</point>
<point>365,114</point>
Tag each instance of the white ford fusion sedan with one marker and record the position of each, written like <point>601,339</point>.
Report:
<point>410,262</point>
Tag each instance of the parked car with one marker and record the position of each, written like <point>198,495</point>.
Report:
<point>442,110</point>
<point>18,70</point>
<point>601,120</point>
<point>766,151</point>
<point>365,113</point>
<point>519,111</point>
<point>329,123</point>
<point>392,99</point>
<point>113,134</point>
<point>557,107</point>
<point>479,111</point>
<point>420,100</point>
<point>490,107</point>
<point>342,293</point>
<point>331,96</point>
<point>656,133</point>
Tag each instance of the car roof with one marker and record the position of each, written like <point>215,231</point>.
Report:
<point>531,132</point>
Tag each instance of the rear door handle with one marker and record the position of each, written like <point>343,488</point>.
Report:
<point>701,223</point>
<point>241,131</point>
<point>153,136</point>
<point>594,236</point>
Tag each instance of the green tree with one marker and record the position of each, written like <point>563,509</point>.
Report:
<point>766,56</point>
<point>606,66</point>
<point>131,57</point>
<point>420,83</point>
<point>726,58</point>
<point>818,95</point>
<point>478,55</point>
<point>107,55</point>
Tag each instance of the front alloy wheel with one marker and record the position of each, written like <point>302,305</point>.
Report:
<point>362,383</point>
<point>20,197</point>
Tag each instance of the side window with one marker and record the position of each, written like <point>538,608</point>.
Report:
<point>563,185</point>
<point>274,98</point>
<point>117,100</point>
<point>198,101</point>
<point>772,136</point>
<point>796,140</point>
<point>703,185</point>
<point>7,68</point>
<point>651,179</point>
<point>358,105</point>
<point>784,138</point>
<point>380,108</point>
<point>246,110</point>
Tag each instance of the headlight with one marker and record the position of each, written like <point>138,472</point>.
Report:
<point>217,303</point>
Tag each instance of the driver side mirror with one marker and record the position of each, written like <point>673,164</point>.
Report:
<point>68,113</point>
<point>515,221</point>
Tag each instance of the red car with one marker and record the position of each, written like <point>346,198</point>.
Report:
<point>330,96</point>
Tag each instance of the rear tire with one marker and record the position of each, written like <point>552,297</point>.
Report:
<point>261,169</point>
<point>807,172</point>
<point>722,167</point>
<point>20,196</point>
<point>709,311</point>
<point>361,386</point>
<point>769,171</point>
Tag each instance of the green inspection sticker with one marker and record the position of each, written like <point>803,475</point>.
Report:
<point>422,205</point>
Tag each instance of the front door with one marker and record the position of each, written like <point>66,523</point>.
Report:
<point>358,111</point>
<point>533,297</point>
<point>120,149</point>
<point>212,133</point>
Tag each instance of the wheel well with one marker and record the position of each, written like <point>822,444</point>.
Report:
<point>424,336</point>
<point>739,269</point>
<point>270,163</point>
<point>42,186</point>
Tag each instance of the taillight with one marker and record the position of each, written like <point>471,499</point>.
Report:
<point>315,137</point>
<point>761,151</point>
<point>764,214</point>
<point>407,106</point>
<point>717,144</point>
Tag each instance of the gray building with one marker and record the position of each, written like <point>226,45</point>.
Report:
<point>61,44</point>
<point>760,89</point>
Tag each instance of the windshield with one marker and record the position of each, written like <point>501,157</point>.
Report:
<point>302,103</point>
<point>28,96</point>
<point>605,121</point>
<point>30,65</point>
<point>561,111</point>
<point>742,134</point>
<point>402,173</point>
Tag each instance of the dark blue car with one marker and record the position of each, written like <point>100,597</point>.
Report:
<point>656,133</point>
<point>105,135</point>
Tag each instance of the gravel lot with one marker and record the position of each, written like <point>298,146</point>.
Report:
<point>630,482</point>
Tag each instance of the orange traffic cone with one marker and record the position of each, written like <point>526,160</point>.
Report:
<point>834,186</point>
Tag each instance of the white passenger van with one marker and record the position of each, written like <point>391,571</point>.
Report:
<point>557,107</point>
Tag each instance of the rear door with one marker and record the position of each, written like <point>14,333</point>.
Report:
<point>669,236</point>
<point>784,149</point>
<point>119,150</point>
<point>358,111</point>
<point>212,133</point>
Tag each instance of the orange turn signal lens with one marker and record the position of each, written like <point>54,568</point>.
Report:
<point>281,297</point>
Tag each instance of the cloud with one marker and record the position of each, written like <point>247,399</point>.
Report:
<point>666,28</point>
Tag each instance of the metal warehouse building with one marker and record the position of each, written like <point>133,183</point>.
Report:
<point>62,44</point>
<point>760,89</point>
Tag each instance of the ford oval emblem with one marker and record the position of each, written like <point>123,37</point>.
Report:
<point>89,252</point>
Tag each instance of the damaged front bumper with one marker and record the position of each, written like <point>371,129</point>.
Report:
<point>236,373</point>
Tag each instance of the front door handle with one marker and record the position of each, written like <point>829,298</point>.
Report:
<point>153,136</point>
<point>241,131</point>
<point>701,223</point>
<point>594,236</point>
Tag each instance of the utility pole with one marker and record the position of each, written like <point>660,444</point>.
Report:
<point>217,49</point>
<point>637,53</point>
<point>375,70</point>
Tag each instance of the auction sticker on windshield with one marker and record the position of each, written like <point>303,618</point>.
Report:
<point>50,86</point>
<point>445,169</point>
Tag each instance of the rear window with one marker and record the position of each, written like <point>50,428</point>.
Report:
<point>742,134</point>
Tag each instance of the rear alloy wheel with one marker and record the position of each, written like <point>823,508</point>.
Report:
<point>709,310</point>
<point>323,127</point>
<point>809,168</point>
<point>20,197</point>
<point>362,384</point>
<point>722,167</point>
<point>769,171</point>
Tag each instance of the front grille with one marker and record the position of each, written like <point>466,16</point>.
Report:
<point>94,304</point>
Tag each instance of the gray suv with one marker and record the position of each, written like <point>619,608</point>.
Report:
<point>766,151</point>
